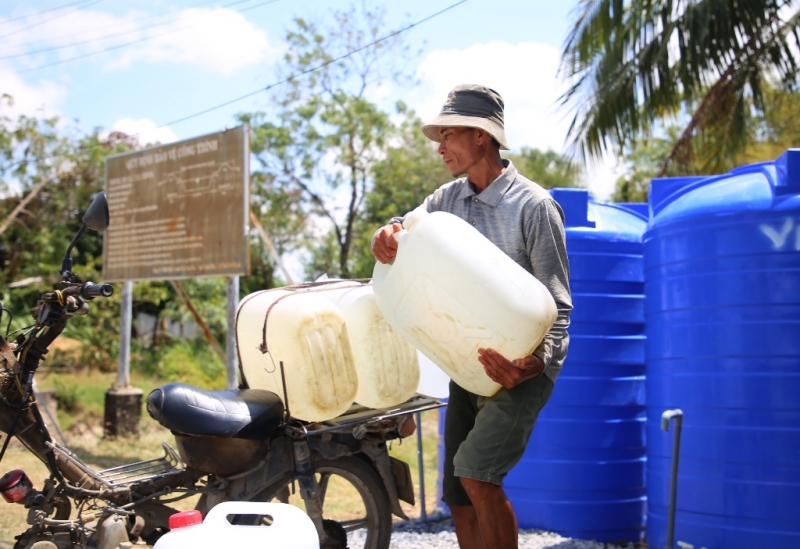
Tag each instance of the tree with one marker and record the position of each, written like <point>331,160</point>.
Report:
<point>327,135</point>
<point>65,172</point>
<point>410,171</point>
<point>768,135</point>
<point>635,63</point>
<point>547,168</point>
<point>643,162</point>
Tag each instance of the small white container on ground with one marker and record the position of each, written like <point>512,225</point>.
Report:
<point>291,528</point>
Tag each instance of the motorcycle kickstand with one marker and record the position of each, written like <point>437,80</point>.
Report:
<point>309,489</point>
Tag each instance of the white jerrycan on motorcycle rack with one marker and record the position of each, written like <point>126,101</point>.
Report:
<point>307,333</point>
<point>386,364</point>
<point>450,291</point>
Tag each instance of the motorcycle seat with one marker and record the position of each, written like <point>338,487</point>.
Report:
<point>247,413</point>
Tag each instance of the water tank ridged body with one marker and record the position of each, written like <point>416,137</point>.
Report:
<point>583,472</point>
<point>722,292</point>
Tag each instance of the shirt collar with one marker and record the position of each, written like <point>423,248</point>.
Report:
<point>492,194</point>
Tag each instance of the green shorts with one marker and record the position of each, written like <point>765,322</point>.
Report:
<point>484,437</point>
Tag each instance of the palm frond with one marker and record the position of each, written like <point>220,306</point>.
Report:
<point>633,63</point>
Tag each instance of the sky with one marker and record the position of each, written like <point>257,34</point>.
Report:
<point>139,67</point>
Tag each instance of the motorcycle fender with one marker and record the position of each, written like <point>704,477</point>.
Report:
<point>402,479</point>
<point>382,462</point>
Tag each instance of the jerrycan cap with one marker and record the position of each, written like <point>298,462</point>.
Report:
<point>184,519</point>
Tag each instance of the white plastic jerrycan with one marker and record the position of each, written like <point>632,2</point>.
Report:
<point>387,366</point>
<point>450,291</point>
<point>308,334</point>
<point>289,528</point>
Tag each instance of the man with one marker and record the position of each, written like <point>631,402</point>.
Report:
<point>486,436</point>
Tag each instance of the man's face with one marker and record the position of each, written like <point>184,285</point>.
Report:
<point>459,148</point>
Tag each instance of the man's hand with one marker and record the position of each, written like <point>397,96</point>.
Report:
<point>509,373</point>
<point>384,247</point>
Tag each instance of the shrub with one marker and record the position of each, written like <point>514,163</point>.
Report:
<point>67,396</point>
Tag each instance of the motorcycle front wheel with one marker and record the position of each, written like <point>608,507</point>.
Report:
<point>355,505</point>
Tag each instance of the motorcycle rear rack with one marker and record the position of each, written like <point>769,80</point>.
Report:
<point>115,477</point>
<point>359,415</point>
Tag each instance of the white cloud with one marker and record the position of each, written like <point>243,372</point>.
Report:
<point>218,39</point>
<point>525,75</point>
<point>42,100</point>
<point>145,130</point>
<point>221,40</point>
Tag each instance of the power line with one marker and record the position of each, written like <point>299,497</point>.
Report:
<point>303,73</point>
<point>81,5</point>
<point>93,30</point>
<point>48,10</point>
<point>126,44</point>
<point>116,35</point>
<point>313,69</point>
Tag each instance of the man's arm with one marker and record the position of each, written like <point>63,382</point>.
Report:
<point>384,247</point>
<point>546,243</point>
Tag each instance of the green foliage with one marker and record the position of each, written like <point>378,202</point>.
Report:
<point>316,155</point>
<point>547,168</point>
<point>210,297</point>
<point>774,129</point>
<point>410,171</point>
<point>769,133</point>
<point>643,161</point>
<point>67,396</point>
<point>262,271</point>
<point>637,64</point>
<point>192,363</point>
<point>62,172</point>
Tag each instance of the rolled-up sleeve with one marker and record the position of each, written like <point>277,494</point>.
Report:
<point>547,249</point>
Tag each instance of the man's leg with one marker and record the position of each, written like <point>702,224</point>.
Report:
<point>468,530</point>
<point>461,411</point>
<point>494,444</point>
<point>495,517</point>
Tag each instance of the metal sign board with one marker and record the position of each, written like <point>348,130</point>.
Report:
<point>179,210</point>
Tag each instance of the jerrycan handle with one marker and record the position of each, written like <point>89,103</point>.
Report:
<point>413,218</point>
<point>410,221</point>
<point>283,515</point>
<point>399,236</point>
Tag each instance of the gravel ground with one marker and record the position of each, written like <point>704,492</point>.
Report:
<point>441,535</point>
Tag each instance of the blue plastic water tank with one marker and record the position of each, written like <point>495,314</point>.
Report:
<point>722,294</point>
<point>584,469</point>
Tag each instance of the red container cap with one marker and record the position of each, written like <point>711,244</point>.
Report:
<point>15,486</point>
<point>184,519</point>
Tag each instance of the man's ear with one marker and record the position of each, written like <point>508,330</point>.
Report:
<point>482,136</point>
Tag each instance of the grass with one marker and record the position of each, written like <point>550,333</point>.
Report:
<point>85,393</point>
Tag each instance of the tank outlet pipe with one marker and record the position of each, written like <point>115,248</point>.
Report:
<point>677,415</point>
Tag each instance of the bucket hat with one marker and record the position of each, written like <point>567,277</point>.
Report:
<point>472,106</point>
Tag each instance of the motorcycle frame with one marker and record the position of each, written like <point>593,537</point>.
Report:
<point>291,452</point>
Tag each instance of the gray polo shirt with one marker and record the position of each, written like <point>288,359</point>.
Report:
<point>523,220</point>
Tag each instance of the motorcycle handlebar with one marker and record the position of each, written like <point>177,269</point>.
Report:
<point>90,290</point>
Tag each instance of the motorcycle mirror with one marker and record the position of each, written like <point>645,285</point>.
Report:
<point>96,216</point>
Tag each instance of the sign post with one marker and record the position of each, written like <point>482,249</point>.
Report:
<point>179,211</point>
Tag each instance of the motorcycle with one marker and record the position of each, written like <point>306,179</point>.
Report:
<point>240,445</point>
